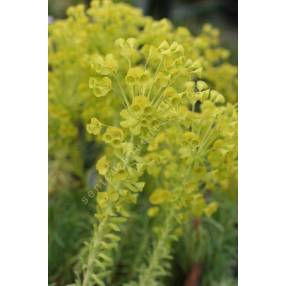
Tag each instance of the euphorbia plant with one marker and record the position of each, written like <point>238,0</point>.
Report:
<point>154,97</point>
<point>172,127</point>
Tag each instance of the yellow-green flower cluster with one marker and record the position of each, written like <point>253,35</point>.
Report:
<point>168,131</point>
<point>83,44</point>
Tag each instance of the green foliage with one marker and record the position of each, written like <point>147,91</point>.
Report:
<point>154,97</point>
<point>70,224</point>
<point>212,243</point>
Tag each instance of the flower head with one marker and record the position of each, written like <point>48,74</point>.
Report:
<point>94,127</point>
<point>113,135</point>
<point>102,166</point>
<point>100,87</point>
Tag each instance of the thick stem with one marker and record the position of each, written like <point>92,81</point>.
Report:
<point>194,275</point>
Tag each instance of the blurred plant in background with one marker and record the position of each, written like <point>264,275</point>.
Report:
<point>189,13</point>
<point>83,56</point>
<point>70,224</point>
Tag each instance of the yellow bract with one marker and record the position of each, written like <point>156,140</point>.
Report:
<point>102,166</point>
<point>216,97</point>
<point>211,208</point>
<point>100,87</point>
<point>140,103</point>
<point>190,138</point>
<point>94,127</point>
<point>152,212</point>
<point>113,135</point>
<point>160,196</point>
